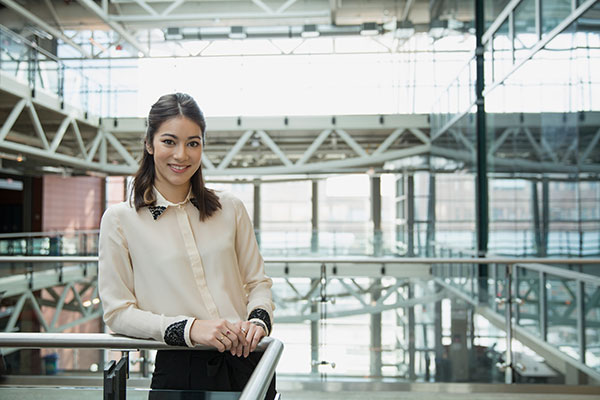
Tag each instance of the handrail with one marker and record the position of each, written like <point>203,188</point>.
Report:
<point>341,260</point>
<point>256,387</point>
<point>24,235</point>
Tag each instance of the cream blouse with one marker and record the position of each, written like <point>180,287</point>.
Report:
<point>161,267</point>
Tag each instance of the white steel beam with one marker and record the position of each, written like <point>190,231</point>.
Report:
<point>79,138</point>
<point>60,133</point>
<point>263,6</point>
<point>590,147</point>
<point>146,7</point>
<point>313,147</point>
<point>172,6</point>
<point>570,150</point>
<point>351,142</point>
<point>536,147</point>
<point>206,162</point>
<point>213,16</point>
<point>39,22</point>
<point>461,138</point>
<point>94,146</point>
<point>285,6</point>
<point>273,146</point>
<point>12,118</point>
<point>420,135</point>
<point>37,125</point>
<point>235,149</point>
<point>389,141</point>
<point>498,142</point>
<point>94,8</point>
<point>120,149</point>
<point>549,150</point>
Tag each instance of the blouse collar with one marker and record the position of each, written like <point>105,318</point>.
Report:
<point>162,203</point>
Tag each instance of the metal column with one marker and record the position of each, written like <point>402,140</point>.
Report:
<point>410,215</point>
<point>314,333</point>
<point>537,225</point>
<point>545,215</point>
<point>375,367</point>
<point>430,235</point>
<point>411,335</point>
<point>256,216</point>
<point>376,215</point>
<point>314,239</point>
<point>481,183</point>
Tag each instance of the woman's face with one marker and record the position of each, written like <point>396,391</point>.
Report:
<point>177,151</point>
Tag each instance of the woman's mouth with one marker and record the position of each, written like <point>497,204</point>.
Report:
<point>178,168</point>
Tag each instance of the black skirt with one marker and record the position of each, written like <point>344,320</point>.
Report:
<point>204,370</point>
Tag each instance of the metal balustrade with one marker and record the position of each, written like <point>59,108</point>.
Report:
<point>553,310</point>
<point>114,384</point>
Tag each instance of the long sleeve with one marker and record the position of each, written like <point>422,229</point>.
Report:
<point>116,288</point>
<point>251,264</point>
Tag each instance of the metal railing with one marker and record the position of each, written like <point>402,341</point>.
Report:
<point>255,389</point>
<point>518,295</point>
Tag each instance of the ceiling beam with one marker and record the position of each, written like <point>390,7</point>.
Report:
<point>94,8</point>
<point>36,20</point>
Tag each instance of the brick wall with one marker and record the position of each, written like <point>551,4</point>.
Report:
<point>72,203</point>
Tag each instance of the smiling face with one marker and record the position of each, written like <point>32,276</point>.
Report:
<point>177,151</point>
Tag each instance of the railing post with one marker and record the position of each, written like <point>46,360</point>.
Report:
<point>115,378</point>
<point>543,307</point>
<point>581,320</point>
<point>508,363</point>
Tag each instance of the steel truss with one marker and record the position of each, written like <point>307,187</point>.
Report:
<point>64,288</point>
<point>54,134</point>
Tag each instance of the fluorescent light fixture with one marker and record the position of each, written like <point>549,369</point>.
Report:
<point>437,28</point>
<point>404,29</point>
<point>310,31</point>
<point>173,34</point>
<point>369,29</point>
<point>237,32</point>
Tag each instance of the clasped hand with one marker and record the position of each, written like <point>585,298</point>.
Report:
<point>239,338</point>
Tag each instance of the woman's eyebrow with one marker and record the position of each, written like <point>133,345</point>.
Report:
<point>169,134</point>
<point>194,137</point>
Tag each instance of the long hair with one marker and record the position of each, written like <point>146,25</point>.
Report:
<point>167,107</point>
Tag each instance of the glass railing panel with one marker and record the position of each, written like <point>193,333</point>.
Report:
<point>562,314</point>
<point>553,13</point>
<point>592,325</point>
<point>527,283</point>
<point>525,29</point>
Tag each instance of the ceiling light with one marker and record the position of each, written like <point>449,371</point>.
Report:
<point>369,29</point>
<point>237,32</point>
<point>437,28</point>
<point>404,29</point>
<point>310,31</point>
<point>173,34</point>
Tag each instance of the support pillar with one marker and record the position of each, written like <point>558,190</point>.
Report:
<point>314,334</point>
<point>410,215</point>
<point>314,239</point>
<point>376,215</point>
<point>545,215</point>
<point>430,235</point>
<point>411,335</point>
<point>481,195</point>
<point>375,367</point>
<point>459,354</point>
<point>537,225</point>
<point>256,214</point>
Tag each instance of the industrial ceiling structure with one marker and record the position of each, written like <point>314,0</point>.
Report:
<point>144,27</point>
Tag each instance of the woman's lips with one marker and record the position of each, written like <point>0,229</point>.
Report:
<point>178,169</point>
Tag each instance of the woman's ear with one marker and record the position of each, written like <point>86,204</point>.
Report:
<point>149,148</point>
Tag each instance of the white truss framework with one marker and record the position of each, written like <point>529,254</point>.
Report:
<point>64,136</point>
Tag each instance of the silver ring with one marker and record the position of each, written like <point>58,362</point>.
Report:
<point>243,330</point>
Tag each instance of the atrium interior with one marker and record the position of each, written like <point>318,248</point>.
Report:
<point>423,179</point>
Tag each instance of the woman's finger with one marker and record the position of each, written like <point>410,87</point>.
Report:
<point>218,345</point>
<point>259,333</point>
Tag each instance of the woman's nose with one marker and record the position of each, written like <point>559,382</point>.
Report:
<point>181,153</point>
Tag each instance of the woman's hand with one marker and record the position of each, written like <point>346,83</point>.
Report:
<point>254,334</point>
<point>219,333</point>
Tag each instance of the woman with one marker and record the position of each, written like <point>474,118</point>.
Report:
<point>180,264</point>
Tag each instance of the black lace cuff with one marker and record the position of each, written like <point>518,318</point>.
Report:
<point>175,334</point>
<point>263,316</point>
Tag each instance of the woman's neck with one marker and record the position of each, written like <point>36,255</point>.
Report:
<point>174,194</point>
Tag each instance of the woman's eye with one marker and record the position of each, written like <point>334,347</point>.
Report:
<point>194,144</point>
<point>168,141</point>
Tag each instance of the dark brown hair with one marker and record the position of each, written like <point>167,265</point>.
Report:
<point>167,107</point>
